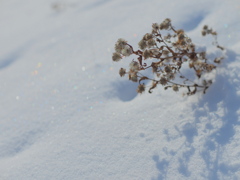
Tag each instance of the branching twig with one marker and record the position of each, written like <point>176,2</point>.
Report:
<point>171,52</point>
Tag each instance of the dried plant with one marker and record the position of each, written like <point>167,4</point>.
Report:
<point>166,55</point>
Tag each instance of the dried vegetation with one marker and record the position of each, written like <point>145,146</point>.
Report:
<point>166,51</point>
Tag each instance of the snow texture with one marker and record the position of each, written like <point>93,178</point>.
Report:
<point>66,113</point>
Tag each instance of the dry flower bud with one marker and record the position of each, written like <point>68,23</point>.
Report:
<point>167,21</point>
<point>122,72</point>
<point>163,81</point>
<point>175,87</point>
<point>120,44</point>
<point>146,54</point>
<point>154,32</point>
<point>183,43</point>
<point>205,27</point>
<point>142,44</point>
<point>165,24</point>
<point>116,56</point>
<point>162,26</point>
<point>126,51</point>
<point>168,69</point>
<point>180,31</point>
<point>155,26</point>
<point>141,88</point>
<point>147,36</point>
<point>134,66</point>
<point>133,76</point>
<point>181,36</point>
<point>151,43</point>
<point>155,52</point>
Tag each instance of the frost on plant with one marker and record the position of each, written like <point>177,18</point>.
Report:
<point>168,52</point>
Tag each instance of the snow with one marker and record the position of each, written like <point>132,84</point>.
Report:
<point>66,113</point>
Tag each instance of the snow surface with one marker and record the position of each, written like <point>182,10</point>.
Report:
<point>66,113</point>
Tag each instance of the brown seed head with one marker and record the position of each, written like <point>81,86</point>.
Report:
<point>142,44</point>
<point>141,88</point>
<point>205,27</point>
<point>168,69</point>
<point>122,72</point>
<point>146,54</point>
<point>147,36</point>
<point>175,87</point>
<point>151,43</point>
<point>163,81</point>
<point>116,56</point>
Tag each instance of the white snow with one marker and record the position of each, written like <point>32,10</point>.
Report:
<point>66,113</point>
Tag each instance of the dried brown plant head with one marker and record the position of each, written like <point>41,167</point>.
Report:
<point>166,51</point>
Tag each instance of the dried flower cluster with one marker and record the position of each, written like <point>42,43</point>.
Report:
<point>165,55</point>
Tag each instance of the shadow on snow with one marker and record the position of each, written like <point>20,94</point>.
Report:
<point>218,106</point>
